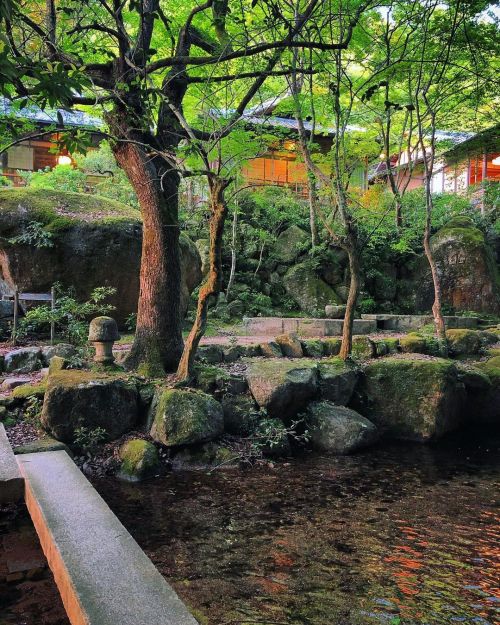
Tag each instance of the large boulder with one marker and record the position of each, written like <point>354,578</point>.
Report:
<point>182,417</point>
<point>411,398</point>
<point>76,399</point>
<point>282,387</point>
<point>337,380</point>
<point>484,406</point>
<point>290,244</point>
<point>95,242</point>
<point>338,429</point>
<point>23,360</point>
<point>310,292</point>
<point>467,270</point>
<point>290,345</point>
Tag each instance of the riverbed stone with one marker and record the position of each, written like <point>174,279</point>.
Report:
<point>338,429</point>
<point>290,345</point>
<point>337,380</point>
<point>139,460</point>
<point>24,360</point>
<point>282,387</point>
<point>77,399</point>
<point>240,414</point>
<point>409,398</point>
<point>184,417</point>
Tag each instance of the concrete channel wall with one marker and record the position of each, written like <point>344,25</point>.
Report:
<point>102,574</point>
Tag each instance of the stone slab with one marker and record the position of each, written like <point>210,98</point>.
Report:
<point>11,480</point>
<point>103,576</point>
<point>303,326</point>
<point>404,323</point>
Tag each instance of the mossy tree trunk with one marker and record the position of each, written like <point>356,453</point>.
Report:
<point>352,298</point>
<point>213,281</point>
<point>158,342</point>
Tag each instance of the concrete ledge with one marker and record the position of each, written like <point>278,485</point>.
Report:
<point>11,480</point>
<point>103,576</point>
<point>304,326</point>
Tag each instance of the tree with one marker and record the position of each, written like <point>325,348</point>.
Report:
<point>139,61</point>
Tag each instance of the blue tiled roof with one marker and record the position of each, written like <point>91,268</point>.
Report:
<point>49,116</point>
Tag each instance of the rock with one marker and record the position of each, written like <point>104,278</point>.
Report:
<point>10,383</point>
<point>203,247</point>
<point>77,399</point>
<point>463,342</point>
<point>236,385</point>
<point>335,312</point>
<point>57,363</point>
<point>290,244</point>
<point>24,360</point>
<point>46,443</point>
<point>467,270</point>
<point>26,391</point>
<point>232,354</point>
<point>363,347</point>
<point>310,292</point>
<point>96,242</point>
<point>250,351</point>
<point>290,345</point>
<point>413,343</point>
<point>212,354</point>
<point>210,379</point>
<point>271,350</point>
<point>331,346</point>
<point>313,348</point>
<point>186,417</point>
<point>386,346</point>
<point>338,429</point>
<point>235,308</point>
<point>240,415</point>
<point>411,398</point>
<point>271,438</point>
<point>62,350</point>
<point>484,406</point>
<point>282,387</point>
<point>139,460</point>
<point>337,380</point>
<point>207,455</point>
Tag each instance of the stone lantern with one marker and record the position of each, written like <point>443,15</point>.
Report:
<point>103,332</point>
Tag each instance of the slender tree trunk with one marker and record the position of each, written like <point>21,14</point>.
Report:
<point>311,189</point>
<point>233,254</point>
<point>261,256</point>
<point>158,342</point>
<point>212,284</point>
<point>354,286</point>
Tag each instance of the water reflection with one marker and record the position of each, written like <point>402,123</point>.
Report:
<point>401,535</point>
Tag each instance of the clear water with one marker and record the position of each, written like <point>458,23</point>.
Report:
<point>406,535</point>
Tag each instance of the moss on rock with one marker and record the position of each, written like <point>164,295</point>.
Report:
<point>485,407</point>
<point>25,391</point>
<point>412,398</point>
<point>337,380</point>
<point>462,342</point>
<point>186,417</point>
<point>139,460</point>
<point>363,348</point>
<point>313,348</point>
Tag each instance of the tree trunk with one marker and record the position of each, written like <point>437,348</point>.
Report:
<point>436,306</point>
<point>158,342</point>
<point>212,284</point>
<point>311,188</point>
<point>233,254</point>
<point>354,286</point>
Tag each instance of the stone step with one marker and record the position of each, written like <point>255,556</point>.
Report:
<point>103,576</point>
<point>303,326</point>
<point>11,480</point>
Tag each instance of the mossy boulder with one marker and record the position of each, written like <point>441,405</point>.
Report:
<point>363,348</point>
<point>308,290</point>
<point>337,380</point>
<point>290,345</point>
<point>210,378</point>
<point>205,456</point>
<point>290,244</point>
<point>484,407</point>
<point>271,350</point>
<point>77,399</point>
<point>57,363</point>
<point>212,354</point>
<point>282,387</point>
<point>413,343</point>
<point>240,414</point>
<point>26,391</point>
<point>96,242</point>
<point>411,398</point>
<point>139,460</point>
<point>463,342</point>
<point>467,270</point>
<point>184,417</point>
<point>313,348</point>
<point>338,429</point>
<point>386,346</point>
<point>331,346</point>
<point>61,350</point>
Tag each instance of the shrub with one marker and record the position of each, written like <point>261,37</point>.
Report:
<point>60,178</point>
<point>34,234</point>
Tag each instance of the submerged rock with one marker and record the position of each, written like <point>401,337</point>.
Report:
<point>282,387</point>
<point>185,417</point>
<point>412,398</point>
<point>77,399</point>
<point>338,429</point>
<point>139,460</point>
<point>337,380</point>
